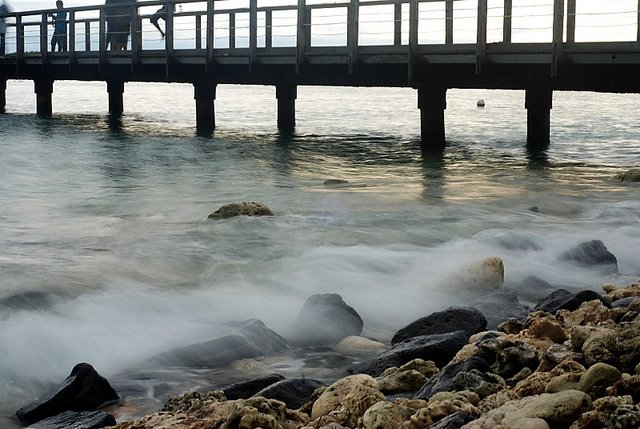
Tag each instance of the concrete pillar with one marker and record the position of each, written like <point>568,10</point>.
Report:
<point>44,90</point>
<point>432,102</point>
<point>3,95</point>
<point>286,95</point>
<point>115,88</point>
<point>538,103</point>
<point>205,95</point>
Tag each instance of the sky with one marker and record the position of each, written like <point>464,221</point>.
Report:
<point>597,20</point>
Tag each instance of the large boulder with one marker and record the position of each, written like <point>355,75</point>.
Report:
<point>251,339</point>
<point>76,420</point>
<point>83,390</point>
<point>592,254</point>
<point>325,319</point>
<point>241,209</point>
<point>477,277</point>
<point>465,319</point>
<point>294,392</point>
<point>439,348</point>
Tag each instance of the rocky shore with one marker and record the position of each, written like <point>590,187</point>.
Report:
<point>570,360</point>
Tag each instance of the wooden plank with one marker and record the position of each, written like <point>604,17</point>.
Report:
<point>87,36</point>
<point>352,32</point>
<point>198,32</point>
<point>44,40</point>
<point>507,21</point>
<point>448,38</point>
<point>397,24</point>
<point>268,42</point>
<point>481,49</point>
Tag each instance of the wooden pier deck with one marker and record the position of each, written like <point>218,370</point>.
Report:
<point>430,45</point>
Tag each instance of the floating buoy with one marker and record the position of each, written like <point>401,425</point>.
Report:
<point>480,103</point>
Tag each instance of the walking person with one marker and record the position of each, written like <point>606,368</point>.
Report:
<point>162,14</point>
<point>59,23</point>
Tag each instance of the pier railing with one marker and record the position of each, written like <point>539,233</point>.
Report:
<point>349,31</point>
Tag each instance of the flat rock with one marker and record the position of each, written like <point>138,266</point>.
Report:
<point>325,319</point>
<point>76,420</point>
<point>241,209</point>
<point>83,390</point>
<point>467,319</point>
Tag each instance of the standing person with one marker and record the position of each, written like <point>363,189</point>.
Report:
<point>4,8</point>
<point>162,14</point>
<point>59,29</point>
<point>118,24</point>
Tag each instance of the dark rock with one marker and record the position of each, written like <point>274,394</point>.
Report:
<point>532,289</point>
<point>512,360</point>
<point>453,319</point>
<point>76,420</point>
<point>252,339</point>
<point>30,300</point>
<point>500,306</point>
<point>562,299</point>
<point>440,348</point>
<point>592,254</point>
<point>443,381</point>
<point>294,392</point>
<point>325,319</point>
<point>241,209</point>
<point>482,383</point>
<point>452,421</point>
<point>335,182</point>
<point>628,386</point>
<point>624,302</point>
<point>83,390</point>
<point>246,389</point>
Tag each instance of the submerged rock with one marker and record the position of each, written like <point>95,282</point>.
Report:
<point>592,254</point>
<point>499,306</point>
<point>241,209</point>
<point>478,277</point>
<point>453,319</point>
<point>83,390</point>
<point>325,319</point>
<point>76,420</point>
<point>632,175</point>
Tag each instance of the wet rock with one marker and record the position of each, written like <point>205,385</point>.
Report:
<point>346,400</point>
<point>628,386</point>
<point>335,182</point>
<point>246,389</point>
<point>192,402</point>
<point>385,415</point>
<point>565,300</point>
<point>293,392</point>
<point>498,306</point>
<point>508,356</point>
<point>444,404</point>
<point>481,383</point>
<point>532,289</point>
<point>453,421</point>
<point>354,345</point>
<point>443,381</point>
<point>632,175</point>
<point>548,328</point>
<point>610,413</point>
<point>259,412</point>
<point>598,377</point>
<point>453,319</point>
<point>592,254</point>
<point>439,348</point>
<point>76,420</point>
<point>251,339</point>
<point>83,390</point>
<point>477,277</point>
<point>325,319</point>
<point>241,209</point>
<point>623,302</point>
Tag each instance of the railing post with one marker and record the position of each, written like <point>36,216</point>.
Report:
<point>507,21</point>
<point>638,37</point>
<point>198,32</point>
<point>253,33</point>
<point>571,21</point>
<point>102,36</point>
<point>169,32</point>
<point>301,37</point>
<point>135,39</point>
<point>19,39</point>
<point>414,19</point>
<point>558,33</point>
<point>448,38</point>
<point>232,30</point>
<point>44,39</point>
<point>397,24</point>
<point>72,37</point>
<point>87,36</point>
<point>481,46</point>
<point>268,42</point>
<point>352,32</point>
<point>210,31</point>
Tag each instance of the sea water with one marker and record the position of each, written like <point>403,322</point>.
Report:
<point>107,255</point>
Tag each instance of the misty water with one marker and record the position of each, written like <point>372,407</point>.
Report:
<point>107,255</point>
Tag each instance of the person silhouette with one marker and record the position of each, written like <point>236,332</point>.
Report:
<point>59,22</point>
<point>162,14</point>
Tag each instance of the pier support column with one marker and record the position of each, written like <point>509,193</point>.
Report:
<point>286,95</point>
<point>205,95</point>
<point>116,97</point>
<point>538,103</point>
<point>3,95</point>
<point>432,102</point>
<point>44,90</point>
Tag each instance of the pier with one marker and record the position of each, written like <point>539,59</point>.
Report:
<point>429,45</point>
